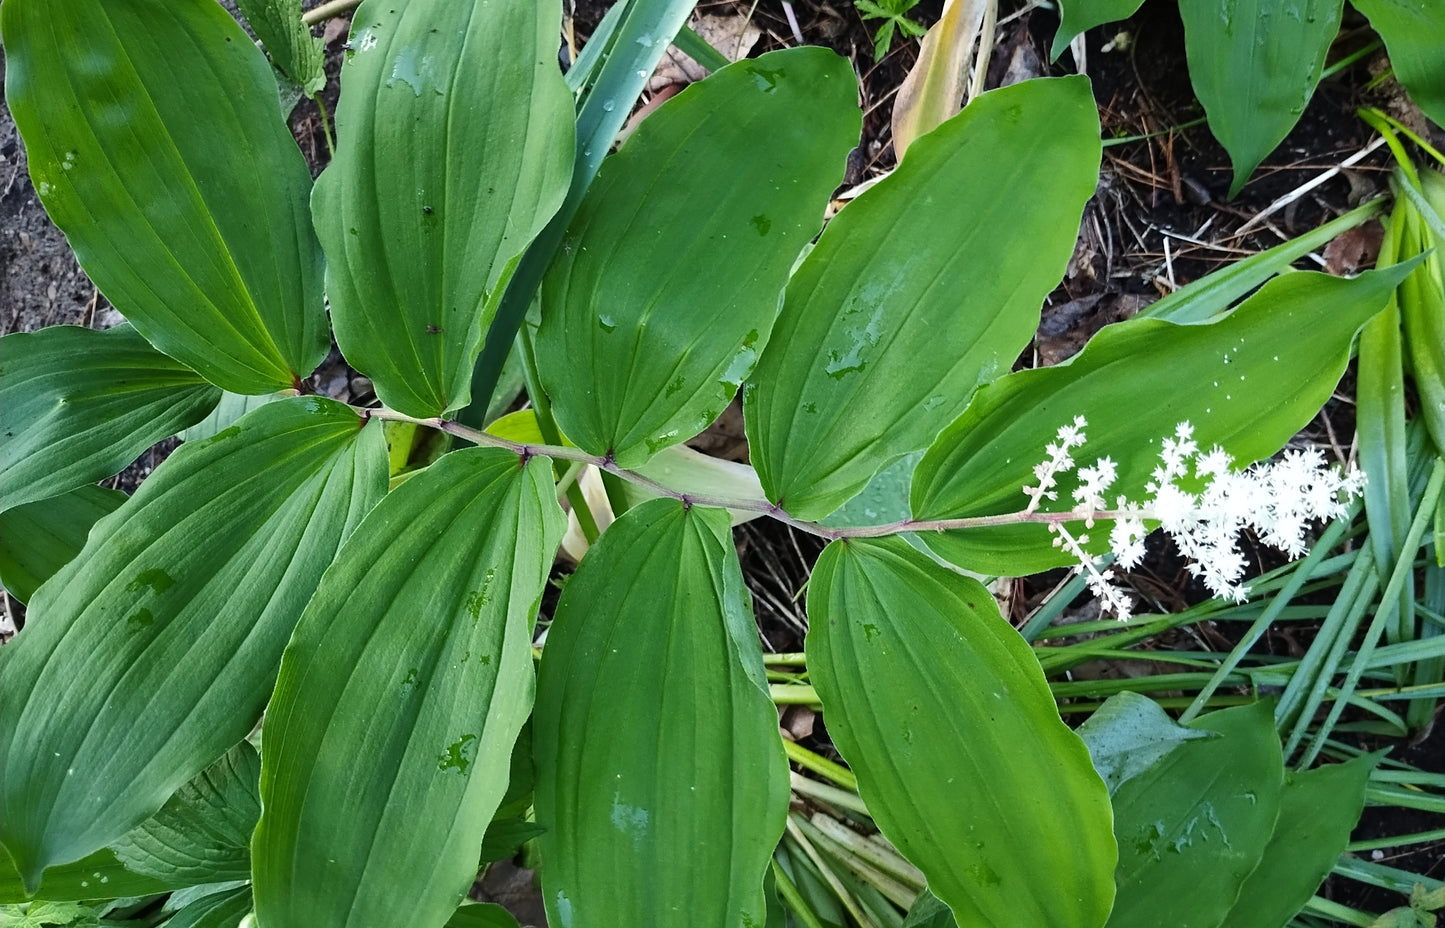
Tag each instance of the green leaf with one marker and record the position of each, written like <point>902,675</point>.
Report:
<point>1247,382</point>
<point>1318,810</point>
<point>1414,33</point>
<point>505,836</point>
<point>1422,303</point>
<point>1128,734</point>
<point>219,910</point>
<point>292,48</point>
<point>472,915</point>
<point>39,538</point>
<point>196,229</point>
<point>454,148</point>
<point>1193,827</point>
<point>433,706</point>
<point>653,310</point>
<point>203,832</point>
<point>929,911</point>
<point>77,406</point>
<point>943,713</point>
<point>1254,65</point>
<point>920,289</point>
<point>99,876</point>
<point>1079,15</point>
<point>190,589</point>
<point>228,411</point>
<point>660,773</point>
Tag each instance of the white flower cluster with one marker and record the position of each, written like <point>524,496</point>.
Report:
<point>1277,500</point>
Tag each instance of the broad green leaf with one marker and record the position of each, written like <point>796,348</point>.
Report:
<point>920,289</point>
<point>219,910</point>
<point>454,148</point>
<point>481,916</point>
<point>1079,15</point>
<point>1318,810</point>
<point>414,655</point>
<point>943,713</point>
<point>99,876</point>
<point>661,778</point>
<point>1194,826</point>
<point>1247,382</point>
<point>77,406</point>
<point>1414,34</point>
<point>228,411</point>
<point>654,310</point>
<point>39,538</point>
<point>190,589</point>
<point>929,911</point>
<point>196,229</point>
<point>1254,65</point>
<point>288,41</point>
<point>1128,734</point>
<point>203,833</point>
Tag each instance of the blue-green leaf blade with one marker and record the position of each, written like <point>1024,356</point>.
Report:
<point>943,713</point>
<point>191,588</point>
<point>654,732</point>
<point>196,229</point>
<point>414,654</point>
<point>77,406</point>
<point>653,311</point>
<point>454,148</point>
<point>39,538</point>
<point>920,289</point>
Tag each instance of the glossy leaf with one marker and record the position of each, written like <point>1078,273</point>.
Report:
<point>653,310</point>
<point>77,406</point>
<point>415,655</point>
<point>203,833</point>
<point>190,589</point>
<point>1128,734</point>
<point>1079,15</point>
<point>1193,828</point>
<point>1247,382</point>
<point>1414,34</point>
<point>98,876</point>
<point>39,538</point>
<point>920,289</point>
<point>225,909</point>
<point>1254,65</point>
<point>454,148</point>
<point>942,711</point>
<point>228,412</point>
<point>1318,810</point>
<point>481,916</point>
<point>929,911</point>
<point>196,229</point>
<point>288,41</point>
<point>654,732</point>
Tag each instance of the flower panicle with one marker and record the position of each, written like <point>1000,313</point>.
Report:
<point>1199,499</point>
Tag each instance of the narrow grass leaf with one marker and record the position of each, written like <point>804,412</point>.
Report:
<point>1318,810</point>
<point>654,311</point>
<point>202,834</point>
<point>191,588</point>
<point>1414,34</point>
<point>454,148</point>
<point>1422,304</point>
<point>922,288</point>
<point>196,229</point>
<point>225,909</point>
<point>39,538</point>
<point>1194,827</point>
<point>1247,382</point>
<point>943,713</point>
<point>78,405</point>
<point>661,777</point>
<point>415,655</point>
<point>1254,65</point>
